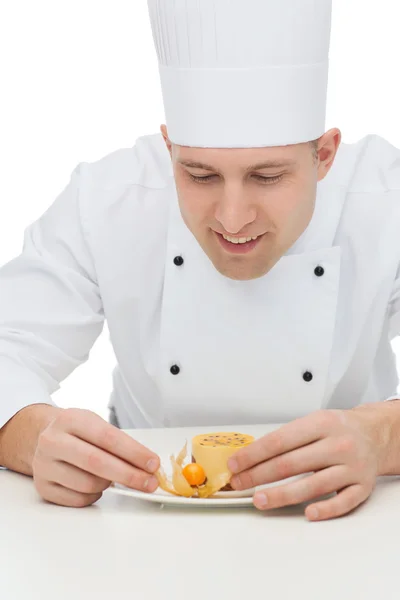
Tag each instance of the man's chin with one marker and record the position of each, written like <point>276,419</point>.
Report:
<point>240,271</point>
<point>236,267</point>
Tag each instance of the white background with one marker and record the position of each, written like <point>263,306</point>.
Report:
<point>79,79</point>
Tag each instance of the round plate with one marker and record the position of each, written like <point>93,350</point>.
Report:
<point>221,499</point>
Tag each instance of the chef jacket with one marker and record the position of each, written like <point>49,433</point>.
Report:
<point>194,347</point>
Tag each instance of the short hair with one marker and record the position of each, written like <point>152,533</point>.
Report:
<point>314,148</point>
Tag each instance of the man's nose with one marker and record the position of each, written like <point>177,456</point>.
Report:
<point>234,211</point>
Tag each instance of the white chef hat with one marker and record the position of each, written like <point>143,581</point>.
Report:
<point>242,73</point>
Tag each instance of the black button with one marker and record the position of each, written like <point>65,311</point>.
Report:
<point>178,261</point>
<point>307,376</point>
<point>319,271</point>
<point>175,370</point>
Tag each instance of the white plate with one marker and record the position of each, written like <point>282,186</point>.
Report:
<point>222,499</point>
<point>169,441</point>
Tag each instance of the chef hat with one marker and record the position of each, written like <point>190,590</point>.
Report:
<point>242,73</point>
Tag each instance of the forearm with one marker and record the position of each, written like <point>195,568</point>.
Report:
<point>18,438</point>
<point>384,419</point>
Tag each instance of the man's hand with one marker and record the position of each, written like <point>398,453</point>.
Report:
<point>342,451</point>
<point>79,454</point>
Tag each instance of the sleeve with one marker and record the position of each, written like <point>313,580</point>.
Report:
<point>394,319</point>
<point>394,308</point>
<point>50,306</point>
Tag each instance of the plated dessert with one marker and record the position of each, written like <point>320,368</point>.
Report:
<point>208,472</point>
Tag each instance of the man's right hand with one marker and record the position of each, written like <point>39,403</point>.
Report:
<point>78,455</point>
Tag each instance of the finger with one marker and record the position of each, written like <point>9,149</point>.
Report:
<point>344,502</point>
<point>93,460</point>
<point>91,428</point>
<point>75,479</point>
<point>314,457</point>
<point>57,494</point>
<point>305,489</point>
<point>295,434</point>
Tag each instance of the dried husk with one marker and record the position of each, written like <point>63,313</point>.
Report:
<point>180,486</point>
<point>164,482</point>
<point>215,485</point>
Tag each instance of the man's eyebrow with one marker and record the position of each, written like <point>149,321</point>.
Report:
<point>265,165</point>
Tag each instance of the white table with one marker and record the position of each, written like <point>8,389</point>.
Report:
<point>124,548</point>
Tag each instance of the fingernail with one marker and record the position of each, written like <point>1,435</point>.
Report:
<point>233,465</point>
<point>152,465</point>
<point>313,513</point>
<point>151,484</point>
<point>261,500</point>
<point>236,482</point>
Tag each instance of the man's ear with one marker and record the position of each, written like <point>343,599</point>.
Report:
<point>328,146</point>
<point>164,132</point>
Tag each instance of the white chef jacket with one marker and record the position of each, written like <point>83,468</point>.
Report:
<point>192,346</point>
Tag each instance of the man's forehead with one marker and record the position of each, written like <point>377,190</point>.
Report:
<point>246,159</point>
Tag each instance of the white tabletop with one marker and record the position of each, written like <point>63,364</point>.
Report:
<point>123,547</point>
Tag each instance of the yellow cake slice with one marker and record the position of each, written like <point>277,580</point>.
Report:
<point>212,451</point>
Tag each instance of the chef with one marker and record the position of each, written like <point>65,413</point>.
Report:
<point>247,263</point>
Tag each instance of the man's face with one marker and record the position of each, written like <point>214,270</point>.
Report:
<point>263,196</point>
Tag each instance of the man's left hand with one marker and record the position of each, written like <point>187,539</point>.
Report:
<point>341,451</point>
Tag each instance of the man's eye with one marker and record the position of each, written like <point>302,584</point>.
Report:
<point>267,180</point>
<point>201,179</point>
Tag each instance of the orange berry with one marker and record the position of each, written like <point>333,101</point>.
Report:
<point>194,474</point>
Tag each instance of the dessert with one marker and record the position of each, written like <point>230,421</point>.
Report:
<point>208,472</point>
<point>213,450</point>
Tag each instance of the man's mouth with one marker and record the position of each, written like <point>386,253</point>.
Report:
<point>238,245</point>
<point>242,240</point>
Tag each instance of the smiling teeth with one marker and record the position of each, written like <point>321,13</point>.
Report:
<point>238,240</point>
